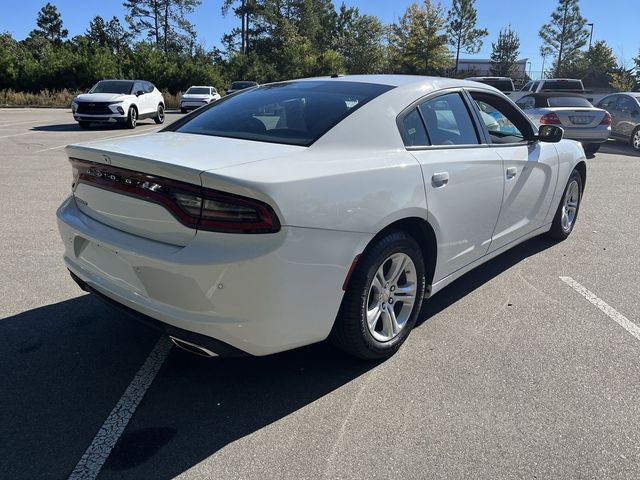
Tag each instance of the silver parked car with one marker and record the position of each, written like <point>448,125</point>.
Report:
<point>624,108</point>
<point>579,119</point>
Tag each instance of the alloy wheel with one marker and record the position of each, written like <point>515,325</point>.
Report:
<point>636,140</point>
<point>391,297</point>
<point>570,205</point>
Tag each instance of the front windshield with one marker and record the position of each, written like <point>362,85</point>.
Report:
<point>199,91</point>
<point>293,113</point>
<point>112,86</point>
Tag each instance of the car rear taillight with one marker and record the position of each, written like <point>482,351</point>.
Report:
<point>607,119</point>
<point>192,205</point>
<point>550,119</point>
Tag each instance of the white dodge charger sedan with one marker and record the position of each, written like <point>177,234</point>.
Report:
<point>313,209</point>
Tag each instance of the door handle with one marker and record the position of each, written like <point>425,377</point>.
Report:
<point>512,172</point>
<point>440,179</point>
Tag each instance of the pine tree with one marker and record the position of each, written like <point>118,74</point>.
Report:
<point>97,32</point>
<point>420,41</point>
<point>505,53</point>
<point>164,21</point>
<point>461,27</point>
<point>565,34</point>
<point>50,24</point>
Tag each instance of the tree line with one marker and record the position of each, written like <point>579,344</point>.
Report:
<point>283,39</point>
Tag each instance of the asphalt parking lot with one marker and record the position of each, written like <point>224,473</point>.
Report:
<point>513,372</point>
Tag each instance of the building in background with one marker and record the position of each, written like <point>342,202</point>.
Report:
<point>481,67</point>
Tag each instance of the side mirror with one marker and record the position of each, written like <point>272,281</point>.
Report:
<point>550,133</point>
<point>139,92</point>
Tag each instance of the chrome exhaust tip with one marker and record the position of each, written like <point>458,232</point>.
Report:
<point>192,347</point>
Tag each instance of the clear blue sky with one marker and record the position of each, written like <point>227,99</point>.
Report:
<point>615,21</point>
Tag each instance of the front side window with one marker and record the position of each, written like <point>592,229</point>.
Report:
<point>503,122</point>
<point>625,104</point>
<point>148,87</point>
<point>448,121</point>
<point>293,113</point>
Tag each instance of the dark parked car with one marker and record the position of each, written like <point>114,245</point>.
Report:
<point>240,85</point>
<point>504,84</point>
<point>624,108</point>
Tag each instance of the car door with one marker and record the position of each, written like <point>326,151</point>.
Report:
<point>530,168</point>
<point>151,98</point>
<point>463,178</point>
<point>610,104</point>
<point>627,115</point>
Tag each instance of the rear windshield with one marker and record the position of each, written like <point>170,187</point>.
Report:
<point>562,85</point>
<point>502,85</point>
<point>569,102</point>
<point>292,113</point>
<point>241,85</point>
<point>112,86</point>
<point>199,90</point>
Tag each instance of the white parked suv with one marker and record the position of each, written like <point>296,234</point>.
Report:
<point>119,101</point>
<point>197,96</point>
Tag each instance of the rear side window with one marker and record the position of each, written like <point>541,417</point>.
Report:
<point>568,102</point>
<point>562,85</point>
<point>527,102</point>
<point>293,113</point>
<point>448,121</point>
<point>608,102</point>
<point>414,132</point>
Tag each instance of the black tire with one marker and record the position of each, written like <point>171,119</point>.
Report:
<point>559,231</point>
<point>351,332</point>
<point>635,142</point>
<point>159,118</point>
<point>132,118</point>
<point>591,148</point>
<point>84,124</point>
<point>183,110</point>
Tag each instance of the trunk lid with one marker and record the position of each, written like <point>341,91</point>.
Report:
<point>578,117</point>
<point>166,155</point>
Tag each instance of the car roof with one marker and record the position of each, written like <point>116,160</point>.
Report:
<point>401,81</point>
<point>201,86</point>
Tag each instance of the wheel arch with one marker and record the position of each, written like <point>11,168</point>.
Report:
<point>581,167</point>
<point>422,231</point>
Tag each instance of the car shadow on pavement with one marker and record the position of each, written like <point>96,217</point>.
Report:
<point>474,279</point>
<point>64,367</point>
<point>618,147</point>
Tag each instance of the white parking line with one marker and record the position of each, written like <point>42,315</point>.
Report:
<point>18,123</point>
<point>17,134</point>
<point>93,459</point>
<point>149,130</point>
<point>616,316</point>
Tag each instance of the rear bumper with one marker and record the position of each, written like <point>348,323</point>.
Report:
<point>258,294</point>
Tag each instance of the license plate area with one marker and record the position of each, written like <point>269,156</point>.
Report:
<point>581,119</point>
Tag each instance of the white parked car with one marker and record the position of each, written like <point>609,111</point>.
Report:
<point>119,101</point>
<point>313,209</point>
<point>197,96</point>
<point>579,119</point>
